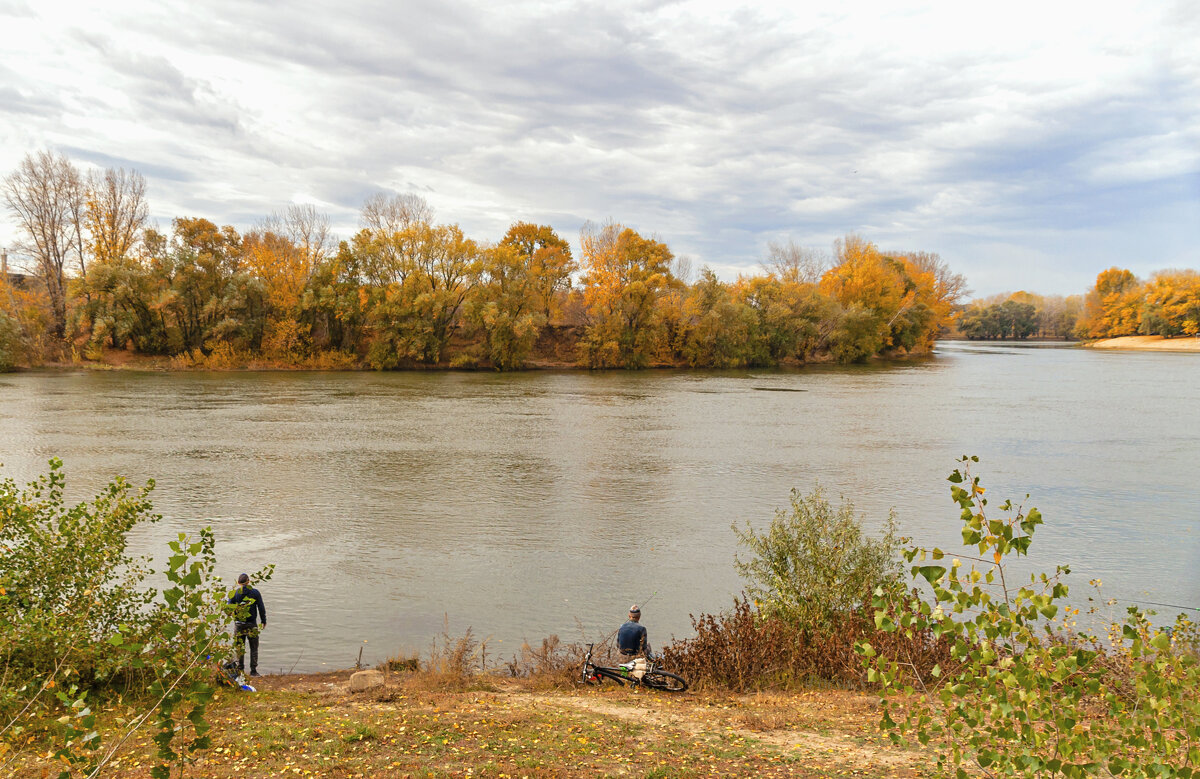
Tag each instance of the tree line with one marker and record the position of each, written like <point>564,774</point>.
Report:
<point>1119,304</point>
<point>407,291</point>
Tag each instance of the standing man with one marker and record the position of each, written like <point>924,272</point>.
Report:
<point>248,607</point>
<point>631,638</point>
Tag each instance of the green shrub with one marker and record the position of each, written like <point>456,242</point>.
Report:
<point>66,579</point>
<point>76,618</point>
<point>814,562</point>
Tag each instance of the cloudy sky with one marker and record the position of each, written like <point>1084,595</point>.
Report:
<point>1031,144</point>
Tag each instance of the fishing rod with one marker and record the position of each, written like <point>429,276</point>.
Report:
<point>608,638</point>
<point>1155,603</point>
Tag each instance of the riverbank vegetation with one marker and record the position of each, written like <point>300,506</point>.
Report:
<point>104,675</point>
<point>408,291</point>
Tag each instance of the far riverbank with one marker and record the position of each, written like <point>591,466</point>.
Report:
<point>1154,343</point>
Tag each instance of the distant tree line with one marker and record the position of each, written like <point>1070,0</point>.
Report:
<point>407,291</point>
<point>1020,315</point>
<point>1119,304</point>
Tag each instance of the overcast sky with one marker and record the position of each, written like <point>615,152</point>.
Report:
<point>1031,144</point>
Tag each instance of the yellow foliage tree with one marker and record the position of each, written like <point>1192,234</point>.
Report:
<point>547,260</point>
<point>624,276</point>
<point>1171,304</point>
<point>1113,307</point>
<point>115,213</point>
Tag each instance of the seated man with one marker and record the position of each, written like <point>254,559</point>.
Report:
<point>631,638</point>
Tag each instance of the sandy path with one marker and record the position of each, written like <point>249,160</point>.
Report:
<point>699,721</point>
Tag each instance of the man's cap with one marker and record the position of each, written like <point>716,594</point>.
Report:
<point>634,609</point>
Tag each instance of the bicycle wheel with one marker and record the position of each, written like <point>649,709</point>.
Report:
<point>665,681</point>
<point>602,672</point>
<point>590,675</point>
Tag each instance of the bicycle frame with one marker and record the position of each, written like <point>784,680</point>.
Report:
<point>594,674</point>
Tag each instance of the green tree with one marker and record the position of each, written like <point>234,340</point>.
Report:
<point>411,319</point>
<point>506,309</point>
<point>856,335</point>
<point>121,293</point>
<point>67,576</point>
<point>11,342</point>
<point>721,329</point>
<point>208,297</point>
<point>793,319</point>
<point>333,304</point>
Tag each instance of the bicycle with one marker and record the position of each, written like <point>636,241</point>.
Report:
<point>647,675</point>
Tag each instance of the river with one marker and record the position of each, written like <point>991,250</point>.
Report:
<point>395,505</point>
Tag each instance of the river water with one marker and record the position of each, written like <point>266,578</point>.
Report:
<point>396,505</point>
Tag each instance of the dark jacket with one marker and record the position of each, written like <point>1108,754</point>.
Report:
<point>248,599</point>
<point>631,639</point>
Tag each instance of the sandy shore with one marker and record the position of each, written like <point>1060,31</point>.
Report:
<point>1150,343</point>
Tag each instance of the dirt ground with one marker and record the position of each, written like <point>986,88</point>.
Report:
<point>313,725</point>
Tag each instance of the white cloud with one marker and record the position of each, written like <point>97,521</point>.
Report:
<point>1030,128</point>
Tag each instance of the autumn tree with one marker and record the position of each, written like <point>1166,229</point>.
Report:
<point>209,298</point>
<point>392,228</point>
<point>1112,307</point>
<point>506,309</point>
<point>792,263</point>
<point>891,301</point>
<point>46,196</point>
<point>624,276</point>
<point>793,319</point>
<point>23,324</point>
<point>284,252</point>
<point>116,213</point>
<point>548,260</point>
<point>284,270</point>
<point>1171,304</point>
<point>411,318</point>
<point>872,293</point>
<point>945,288</point>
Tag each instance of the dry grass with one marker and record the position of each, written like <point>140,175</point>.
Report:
<point>551,663</point>
<point>739,650</point>
<point>309,725</point>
